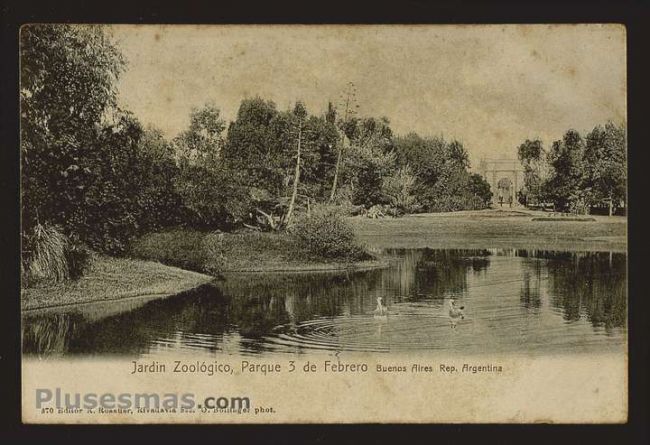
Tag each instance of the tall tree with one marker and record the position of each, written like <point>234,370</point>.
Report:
<point>254,148</point>
<point>203,139</point>
<point>565,184</point>
<point>350,107</point>
<point>369,159</point>
<point>109,213</point>
<point>531,155</point>
<point>606,164</point>
<point>157,171</point>
<point>319,153</point>
<point>480,188</point>
<point>458,154</point>
<point>300,114</point>
<point>443,182</point>
<point>67,96</point>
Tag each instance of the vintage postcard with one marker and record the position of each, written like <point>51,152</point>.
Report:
<point>324,223</point>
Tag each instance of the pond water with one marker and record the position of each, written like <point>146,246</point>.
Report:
<point>515,301</point>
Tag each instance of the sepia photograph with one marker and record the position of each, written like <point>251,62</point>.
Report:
<point>323,223</point>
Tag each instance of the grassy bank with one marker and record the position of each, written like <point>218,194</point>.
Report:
<point>493,229</point>
<point>238,252</point>
<point>113,279</point>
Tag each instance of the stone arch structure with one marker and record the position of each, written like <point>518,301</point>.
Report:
<point>506,179</point>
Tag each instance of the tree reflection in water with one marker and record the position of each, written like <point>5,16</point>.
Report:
<point>599,293</point>
<point>243,310</point>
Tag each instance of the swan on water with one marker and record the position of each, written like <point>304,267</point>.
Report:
<point>380,310</point>
<point>455,313</point>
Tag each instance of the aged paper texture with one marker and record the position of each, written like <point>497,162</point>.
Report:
<point>324,224</point>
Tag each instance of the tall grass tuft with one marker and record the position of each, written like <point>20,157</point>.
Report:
<point>47,259</point>
<point>51,256</point>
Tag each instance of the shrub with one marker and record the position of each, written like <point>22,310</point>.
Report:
<point>456,203</point>
<point>187,249</point>
<point>180,248</point>
<point>78,258</point>
<point>325,234</point>
<point>398,189</point>
<point>49,255</point>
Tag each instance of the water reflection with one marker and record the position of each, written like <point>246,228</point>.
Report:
<point>600,294</point>
<point>516,301</point>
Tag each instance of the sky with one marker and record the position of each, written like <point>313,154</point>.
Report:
<point>490,87</point>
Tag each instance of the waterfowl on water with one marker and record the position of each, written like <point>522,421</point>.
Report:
<point>455,313</point>
<point>380,310</point>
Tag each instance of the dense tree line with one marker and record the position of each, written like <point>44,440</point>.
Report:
<point>92,170</point>
<point>578,174</point>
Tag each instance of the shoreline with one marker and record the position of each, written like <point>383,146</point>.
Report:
<point>113,279</point>
<point>174,280</point>
<point>312,267</point>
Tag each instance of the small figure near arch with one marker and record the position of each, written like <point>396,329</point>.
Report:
<point>506,178</point>
<point>505,191</point>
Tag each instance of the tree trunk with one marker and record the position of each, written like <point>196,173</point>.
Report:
<point>610,205</point>
<point>296,179</point>
<point>341,146</point>
<point>269,219</point>
<point>336,171</point>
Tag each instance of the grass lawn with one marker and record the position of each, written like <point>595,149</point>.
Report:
<point>112,279</point>
<point>239,252</point>
<point>493,229</point>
